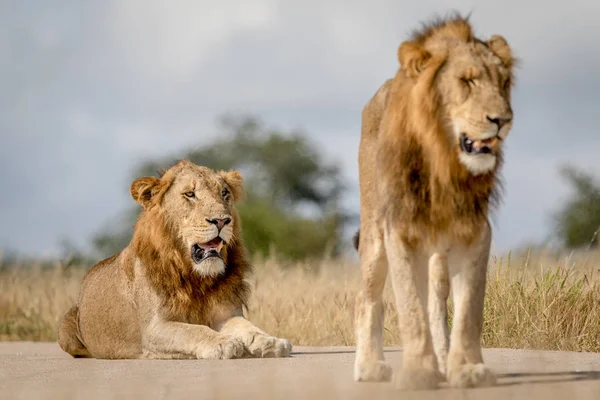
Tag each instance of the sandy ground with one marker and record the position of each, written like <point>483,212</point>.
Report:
<point>43,371</point>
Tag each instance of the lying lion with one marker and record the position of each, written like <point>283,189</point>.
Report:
<point>178,289</point>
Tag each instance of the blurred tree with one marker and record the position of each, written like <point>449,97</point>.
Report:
<point>293,193</point>
<point>578,221</point>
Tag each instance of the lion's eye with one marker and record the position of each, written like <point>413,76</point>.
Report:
<point>225,194</point>
<point>468,81</point>
<point>190,194</point>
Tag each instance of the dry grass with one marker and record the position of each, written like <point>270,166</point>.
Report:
<point>546,302</point>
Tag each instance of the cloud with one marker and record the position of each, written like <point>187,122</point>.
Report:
<point>91,90</point>
<point>162,42</point>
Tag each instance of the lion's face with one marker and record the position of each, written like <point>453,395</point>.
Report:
<point>198,206</point>
<point>474,90</point>
<point>471,80</point>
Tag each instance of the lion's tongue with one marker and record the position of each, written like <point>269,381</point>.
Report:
<point>215,244</point>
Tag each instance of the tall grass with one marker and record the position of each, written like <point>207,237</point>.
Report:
<point>533,301</point>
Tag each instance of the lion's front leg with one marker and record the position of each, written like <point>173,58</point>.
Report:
<point>439,288</point>
<point>408,269</point>
<point>468,268</point>
<point>256,342</point>
<point>166,339</point>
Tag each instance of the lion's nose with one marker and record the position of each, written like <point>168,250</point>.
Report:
<point>219,222</point>
<point>499,121</point>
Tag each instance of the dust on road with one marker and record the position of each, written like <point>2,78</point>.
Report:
<point>43,371</point>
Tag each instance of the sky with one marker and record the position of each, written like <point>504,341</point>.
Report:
<point>90,89</point>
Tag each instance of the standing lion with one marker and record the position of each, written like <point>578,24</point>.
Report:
<point>429,155</point>
<point>178,289</point>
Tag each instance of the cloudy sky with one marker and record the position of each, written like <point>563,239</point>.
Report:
<point>91,88</point>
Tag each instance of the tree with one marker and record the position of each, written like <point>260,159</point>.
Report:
<point>578,221</point>
<point>293,193</point>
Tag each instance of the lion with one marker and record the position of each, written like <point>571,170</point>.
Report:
<point>429,159</point>
<point>178,289</point>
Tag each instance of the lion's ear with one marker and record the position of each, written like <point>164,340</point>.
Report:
<point>142,190</point>
<point>236,183</point>
<point>413,58</point>
<point>500,47</point>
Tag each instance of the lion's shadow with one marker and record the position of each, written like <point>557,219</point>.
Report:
<point>521,378</point>
<point>504,379</point>
<point>335,351</point>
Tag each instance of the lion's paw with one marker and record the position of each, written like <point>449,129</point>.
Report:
<point>377,371</point>
<point>226,347</point>
<point>442,367</point>
<point>283,348</point>
<point>418,379</point>
<point>265,346</point>
<point>471,375</point>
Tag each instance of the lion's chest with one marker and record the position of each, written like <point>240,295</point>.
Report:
<point>188,309</point>
<point>199,309</point>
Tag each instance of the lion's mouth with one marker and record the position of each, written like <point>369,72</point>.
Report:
<point>212,248</point>
<point>476,146</point>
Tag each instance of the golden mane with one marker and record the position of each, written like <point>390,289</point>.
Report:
<point>178,289</point>
<point>454,25</point>
<point>187,294</point>
<point>426,182</point>
<point>429,155</point>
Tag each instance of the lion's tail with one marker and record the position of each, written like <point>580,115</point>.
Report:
<point>356,239</point>
<point>68,334</point>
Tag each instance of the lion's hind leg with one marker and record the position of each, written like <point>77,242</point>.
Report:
<point>408,268</point>
<point>369,364</point>
<point>68,335</point>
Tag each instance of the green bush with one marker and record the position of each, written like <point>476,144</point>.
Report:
<point>293,193</point>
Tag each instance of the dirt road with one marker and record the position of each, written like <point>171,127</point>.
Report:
<point>43,371</point>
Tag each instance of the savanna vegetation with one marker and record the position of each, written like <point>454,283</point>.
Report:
<point>544,301</point>
<point>305,285</point>
<point>293,192</point>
